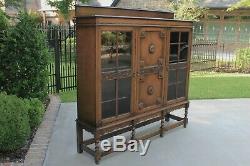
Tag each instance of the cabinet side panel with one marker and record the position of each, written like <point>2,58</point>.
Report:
<point>86,71</point>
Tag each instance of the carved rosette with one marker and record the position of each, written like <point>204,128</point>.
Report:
<point>150,90</point>
<point>116,75</point>
<point>151,48</point>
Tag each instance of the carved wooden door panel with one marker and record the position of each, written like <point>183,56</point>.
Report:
<point>150,72</point>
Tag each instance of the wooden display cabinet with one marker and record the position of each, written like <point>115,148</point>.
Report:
<point>133,70</point>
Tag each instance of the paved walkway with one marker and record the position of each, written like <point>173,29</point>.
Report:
<point>218,134</point>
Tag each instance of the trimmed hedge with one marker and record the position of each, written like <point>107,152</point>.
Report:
<point>14,122</point>
<point>24,59</point>
<point>36,112</point>
<point>17,118</point>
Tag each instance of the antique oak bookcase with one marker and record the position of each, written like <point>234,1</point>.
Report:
<point>132,70</point>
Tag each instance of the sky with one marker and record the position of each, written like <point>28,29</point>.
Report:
<point>106,2</point>
<point>103,3</point>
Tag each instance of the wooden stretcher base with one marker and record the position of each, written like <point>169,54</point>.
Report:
<point>100,134</point>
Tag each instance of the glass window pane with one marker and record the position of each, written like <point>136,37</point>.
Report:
<point>174,38</point>
<point>108,50</point>
<point>184,37</point>
<point>125,49</point>
<point>181,90</point>
<point>173,53</point>
<point>124,95</point>
<point>172,77</point>
<point>108,90</point>
<point>213,29</point>
<point>108,98</point>
<point>230,32</point>
<point>183,52</point>
<point>244,32</point>
<point>171,92</point>
<point>230,18</point>
<point>124,106</point>
<point>108,109</point>
<point>213,17</point>
<point>247,18</point>
<point>182,73</point>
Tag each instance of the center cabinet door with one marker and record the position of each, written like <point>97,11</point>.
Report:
<point>152,44</point>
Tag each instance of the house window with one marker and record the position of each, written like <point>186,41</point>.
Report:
<point>213,17</point>
<point>245,18</point>
<point>230,17</point>
<point>245,32</point>
<point>229,34</point>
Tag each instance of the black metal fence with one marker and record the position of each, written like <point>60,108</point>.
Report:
<point>62,69</point>
<point>206,55</point>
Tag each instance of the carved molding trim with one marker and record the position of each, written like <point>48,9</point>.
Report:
<point>143,34</point>
<point>117,75</point>
<point>162,34</point>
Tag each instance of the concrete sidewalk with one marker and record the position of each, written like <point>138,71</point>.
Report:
<point>218,134</point>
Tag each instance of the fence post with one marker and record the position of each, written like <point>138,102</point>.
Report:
<point>57,61</point>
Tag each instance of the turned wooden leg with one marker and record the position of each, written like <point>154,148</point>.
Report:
<point>186,114</point>
<point>79,137</point>
<point>167,119</point>
<point>97,148</point>
<point>133,130</point>
<point>162,124</point>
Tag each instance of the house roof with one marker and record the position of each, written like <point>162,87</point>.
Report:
<point>204,3</point>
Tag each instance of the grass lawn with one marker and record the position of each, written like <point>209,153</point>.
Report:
<point>204,85</point>
<point>219,85</point>
<point>68,96</point>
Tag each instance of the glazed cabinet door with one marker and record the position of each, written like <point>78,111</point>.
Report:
<point>116,69</point>
<point>150,69</point>
<point>178,65</point>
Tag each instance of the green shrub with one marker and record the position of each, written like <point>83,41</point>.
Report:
<point>243,59</point>
<point>3,26</point>
<point>3,30</point>
<point>14,122</point>
<point>36,112</point>
<point>24,59</point>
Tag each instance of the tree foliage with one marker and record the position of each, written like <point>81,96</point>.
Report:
<point>241,3</point>
<point>64,6</point>
<point>187,9</point>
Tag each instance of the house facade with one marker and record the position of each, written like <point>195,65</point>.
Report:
<point>29,5</point>
<point>48,13</point>
<point>217,24</point>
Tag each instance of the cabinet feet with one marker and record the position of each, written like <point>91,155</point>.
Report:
<point>186,114</point>
<point>162,124</point>
<point>133,130</point>
<point>97,148</point>
<point>167,117</point>
<point>79,137</point>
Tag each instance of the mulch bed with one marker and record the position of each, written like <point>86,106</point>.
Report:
<point>18,156</point>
